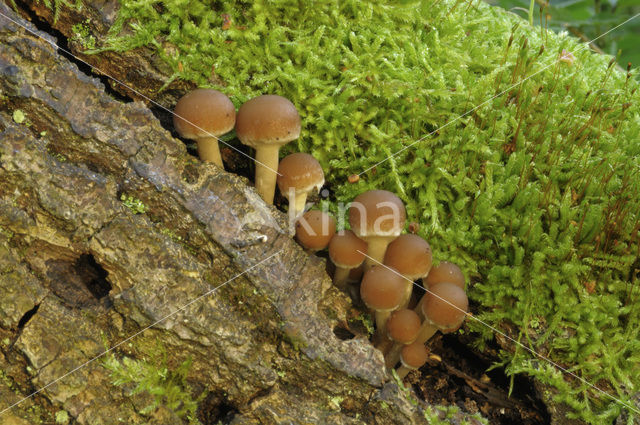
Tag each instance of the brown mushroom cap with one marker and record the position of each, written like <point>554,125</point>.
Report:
<point>445,272</point>
<point>403,326</point>
<point>381,288</point>
<point>445,305</point>
<point>377,213</point>
<point>347,250</point>
<point>410,255</point>
<point>315,229</point>
<point>300,172</point>
<point>203,113</point>
<point>414,355</point>
<point>267,119</point>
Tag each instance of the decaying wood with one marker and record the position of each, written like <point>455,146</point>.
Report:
<point>81,271</point>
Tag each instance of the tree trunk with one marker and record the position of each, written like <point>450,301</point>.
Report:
<point>111,235</point>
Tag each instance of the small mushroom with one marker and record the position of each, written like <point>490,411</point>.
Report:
<point>314,230</point>
<point>444,307</point>
<point>266,123</point>
<point>402,329</point>
<point>299,175</point>
<point>444,272</point>
<point>381,290</point>
<point>377,217</point>
<point>412,357</point>
<point>411,256</point>
<point>347,252</point>
<point>203,115</point>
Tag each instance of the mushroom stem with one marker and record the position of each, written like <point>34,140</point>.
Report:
<point>266,171</point>
<point>403,371</point>
<point>381,321</point>
<point>427,330</point>
<point>340,277</point>
<point>393,355</point>
<point>418,307</point>
<point>376,247</point>
<point>300,200</point>
<point>384,345</point>
<point>407,294</point>
<point>208,150</point>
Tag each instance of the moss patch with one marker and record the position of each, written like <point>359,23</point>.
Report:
<point>527,184</point>
<point>167,387</point>
<point>82,35</point>
<point>135,205</point>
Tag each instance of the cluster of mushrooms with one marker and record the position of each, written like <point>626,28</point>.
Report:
<point>385,264</point>
<point>265,123</point>
<point>374,254</point>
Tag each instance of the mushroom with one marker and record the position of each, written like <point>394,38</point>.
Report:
<point>266,123</point>
<point>410,255</point>
<point>203,115</point>
<point>381,290</point>
<point>377,217</point>
<point>402,329</point>
<point>445,272</point>
<point>347,252</point>
<point>314,230</point>
<point>444,307</point>
<point>412,356</point>
<point>299,175</point>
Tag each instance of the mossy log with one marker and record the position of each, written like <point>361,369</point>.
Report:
<point>201,267</point>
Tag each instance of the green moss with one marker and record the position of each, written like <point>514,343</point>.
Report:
<point>408,394</point>
<point>134,204</point>
<point>433,418</point>
<point>6,232</point>
<point>8,382</point>
<point>170,233</point>
<point>82,34</point>
<point>168,387</point>
<point>506,189</point>
<point>366,321</point>
<point>334,402</point>
<point>57,5</point>
<point>57,155</point>
<point>18,116</point>
<point>62,417</point>
<point>442,415</point>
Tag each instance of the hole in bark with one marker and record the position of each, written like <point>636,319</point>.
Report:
<point>78,283</point>
<point>27,316</point>
<point>190,174</point>
<point>215,410</point>
<point>96,276</point>
<point>343,333</point>
<point>165,117</point>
